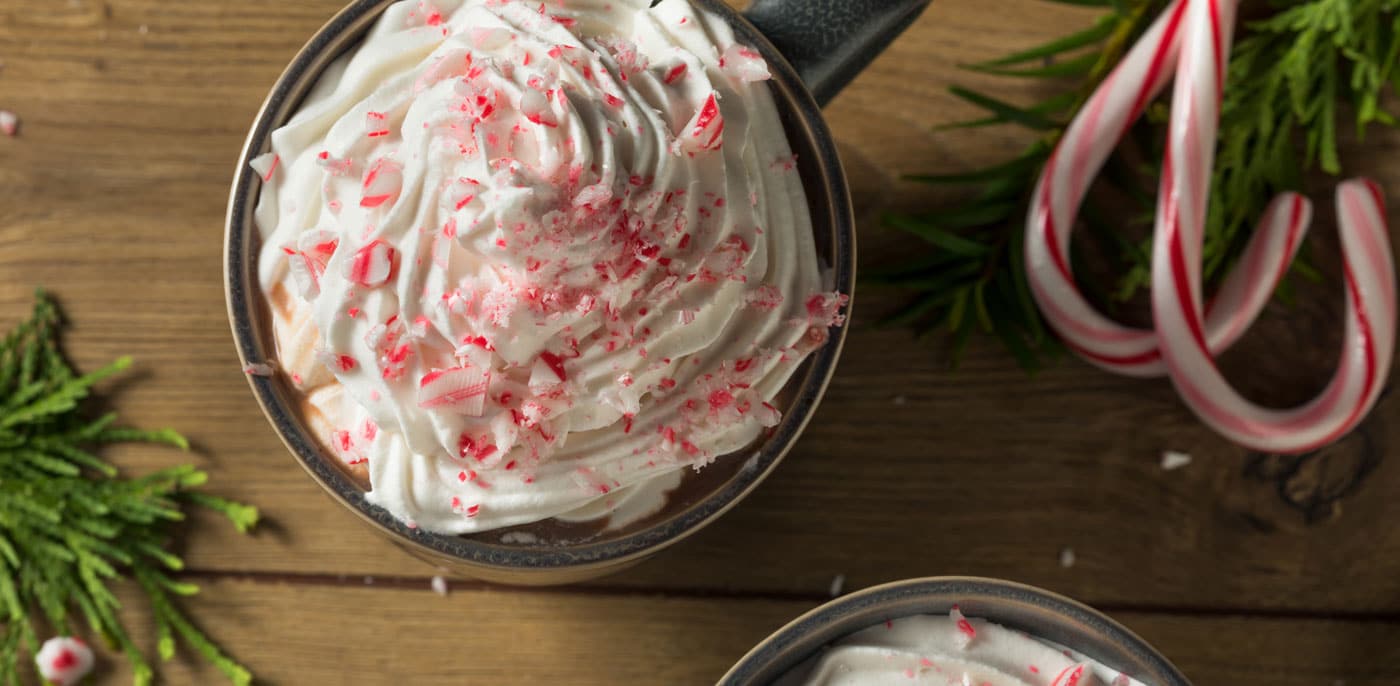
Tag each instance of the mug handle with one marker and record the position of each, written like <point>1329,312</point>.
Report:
<point>829,42</point>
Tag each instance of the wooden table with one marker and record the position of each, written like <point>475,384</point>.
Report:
<point>1244,569</point>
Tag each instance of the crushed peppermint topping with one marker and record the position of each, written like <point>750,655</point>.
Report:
<point>966,632</point>
<point>64,660</point>
<point>512,247</point>
<point>258,369</point>
<point>9,123</point>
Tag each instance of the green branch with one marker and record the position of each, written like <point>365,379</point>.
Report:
<point>70,527</point>
<point>1293,75</point>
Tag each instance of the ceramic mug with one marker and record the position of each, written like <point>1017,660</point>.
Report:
<point>813,48</point>
<point>1035,611</point>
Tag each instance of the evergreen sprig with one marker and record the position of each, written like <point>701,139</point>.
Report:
<point>1294,74</point>
<point>70,526</point>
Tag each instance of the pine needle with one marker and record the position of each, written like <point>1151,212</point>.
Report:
<point>70,526</point>
<point>1294,76</point>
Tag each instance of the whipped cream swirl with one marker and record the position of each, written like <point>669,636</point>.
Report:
<point>526,259</point>
<point>950,650</point>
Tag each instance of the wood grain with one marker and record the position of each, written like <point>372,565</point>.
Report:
<point>113,197</point>
<point>341,635</point>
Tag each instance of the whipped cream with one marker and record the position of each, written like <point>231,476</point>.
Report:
<point>950,650</point>
<point>534,260</point>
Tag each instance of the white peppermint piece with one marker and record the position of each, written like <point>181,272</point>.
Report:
<point>1172,459</point>
<point>705,130</point>
<point>744,64</point>
<point>64,660</point>
<point>9,123</point>
<point>264,164</point>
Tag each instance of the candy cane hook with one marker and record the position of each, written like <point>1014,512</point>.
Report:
<point>1081,153</point>
<point>1367,265</point>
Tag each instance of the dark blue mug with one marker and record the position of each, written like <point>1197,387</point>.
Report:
<point>1038,612</point>
<point>813,49</point>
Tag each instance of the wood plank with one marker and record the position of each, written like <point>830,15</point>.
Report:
<point>297,634</point>
<point>113,196</point>
<point>364,634</point>
<point>1247,650</point>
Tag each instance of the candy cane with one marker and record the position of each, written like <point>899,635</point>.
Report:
<point>1194,36</point>
<point>1081,153</point>
<point>1176,272</point>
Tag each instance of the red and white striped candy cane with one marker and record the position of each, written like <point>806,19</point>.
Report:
<point>1081,153</point>
<point>1368,267</point>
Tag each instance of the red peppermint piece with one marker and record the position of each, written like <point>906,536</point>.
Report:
<point>478,96</point>
<point>376,124</point>
<point>824,309</point>
<point>765,297</point>
<point>555,363</point>
<point>966,632</point>
<point>318,243</point>
<point>705,130</point>
<point>373,264</point>
<point>308,262</point>
<point>461,390</point>
<point>535,106</point>
<point>342,440</point>
<point>336,362</point>
<point>336,167</point>
<point>474,448</point>
<point>1072,676</point>
<point>382,183</point>
<point>463,191</point>
<point>769,416</point>
<point>481,342</point>
<point>720,399</point>
<point>675,73</point>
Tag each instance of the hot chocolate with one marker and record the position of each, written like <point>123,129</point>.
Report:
<point>530,261</point>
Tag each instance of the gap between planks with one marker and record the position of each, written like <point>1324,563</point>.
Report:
<point>423,583</point>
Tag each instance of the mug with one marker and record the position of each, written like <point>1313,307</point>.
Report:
<point>813,48</point>
<point>1038,612</point>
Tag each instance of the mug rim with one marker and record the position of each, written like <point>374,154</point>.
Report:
<point>800,639</point>
<point>242,292</point>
